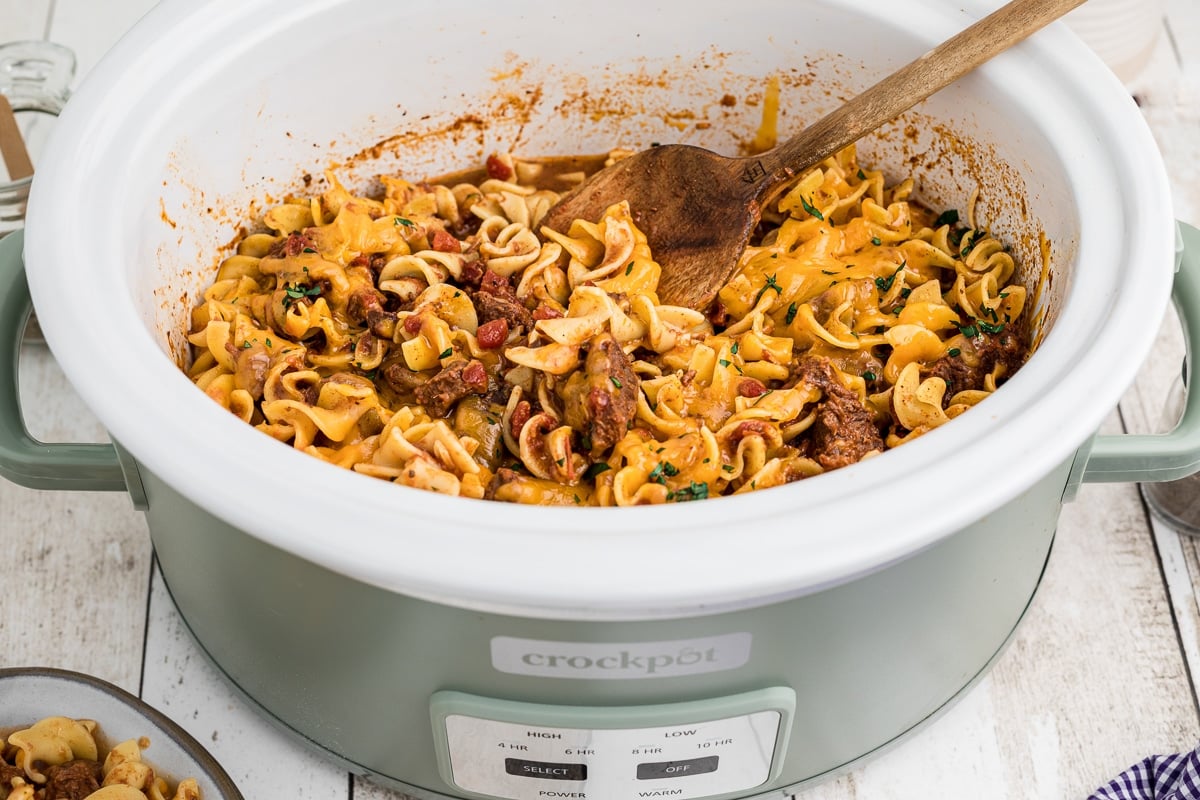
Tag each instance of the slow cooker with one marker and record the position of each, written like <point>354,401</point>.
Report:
<point>730,648</point>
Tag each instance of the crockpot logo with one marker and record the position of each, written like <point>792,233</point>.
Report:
<point>620,660</point>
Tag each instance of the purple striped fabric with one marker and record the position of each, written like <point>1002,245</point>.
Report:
<point>1174,777</point>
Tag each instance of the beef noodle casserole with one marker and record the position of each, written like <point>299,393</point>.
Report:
<point>439,338</point>
<point>59,758</point>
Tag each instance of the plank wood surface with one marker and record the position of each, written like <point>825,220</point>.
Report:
<point>1100,674</point>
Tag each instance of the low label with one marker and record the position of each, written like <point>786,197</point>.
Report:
<point>620,660</point>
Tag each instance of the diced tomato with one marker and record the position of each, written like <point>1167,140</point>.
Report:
<point>444,242</point>
<point>750,387</point>
<point>544,311</point>
<point>412,323</point>
<point>496,168</point>
<point>492,334</point>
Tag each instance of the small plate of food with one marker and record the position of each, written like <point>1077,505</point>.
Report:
<point>68,735</point>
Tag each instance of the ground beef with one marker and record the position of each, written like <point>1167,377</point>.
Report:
<point>362,303</point>
<point>601,399</point>
<point>968,368</point>
<point>844,431</point>
<point>491,307</point>
<point>73,780</point>
<point>497,299</point>
<point>400,379</point>
<point>461,378</point>
<point>503,475</point>
<point>471,273</point>
<point>7,773</point>
<point>382,323</point>
<point>497,284</point>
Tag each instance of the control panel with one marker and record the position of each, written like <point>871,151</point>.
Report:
<point>528,751</point>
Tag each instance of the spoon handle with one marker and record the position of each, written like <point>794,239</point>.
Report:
<point>903,89</point>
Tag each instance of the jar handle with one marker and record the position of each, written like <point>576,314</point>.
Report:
<point>1166,456</point>
<point>23,459</point>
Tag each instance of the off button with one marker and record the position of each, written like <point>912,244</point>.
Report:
<point>546,770</point>
<point>676,769</point>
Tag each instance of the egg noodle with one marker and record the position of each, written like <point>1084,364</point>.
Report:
<point>439,338</point>
<point>59,757</point>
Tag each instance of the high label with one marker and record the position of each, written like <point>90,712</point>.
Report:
<point>620,660</point>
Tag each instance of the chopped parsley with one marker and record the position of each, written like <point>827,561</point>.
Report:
<point>980,326</point>
<point>861,175</point>
<point>811,209</point>
<point>727,467</point>
<point>724,362</point>
<point>897,310</point>
<point>663,468</point>
<point>696,491</point>
<point>629,268</point>
<point>947,217</point>
<point>292,293</point>
<point>408,223</point>
<point>246,344</point>
<point>449,351</point>
<point>875,240</point>
<point>308,250</point>
<point>596,469</point>
<point>868,376</point>
<point>790,315</point>
<point>734,348</point>
<point>771,283</point>
<point>968,246</point>
<point>615,382</point>
<point>560,461</point>
<point>988,327</point>
<point>829,272</point>
<point>268,342</point>
<point>953,352</point>
<point>885,284</point>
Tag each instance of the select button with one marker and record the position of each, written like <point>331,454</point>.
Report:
<point>546,770</point>
<point>676,769</point>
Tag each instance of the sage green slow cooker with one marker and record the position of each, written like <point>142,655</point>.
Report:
<point>731,648</point>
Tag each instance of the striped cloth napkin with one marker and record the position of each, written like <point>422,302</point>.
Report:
<point>1174,777</point>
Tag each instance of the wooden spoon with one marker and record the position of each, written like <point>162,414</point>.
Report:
<point>698,209</point>
<point>12,145</point>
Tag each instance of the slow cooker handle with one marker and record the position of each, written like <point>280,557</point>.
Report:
<point>23,459</point>
<point>1167,456</point>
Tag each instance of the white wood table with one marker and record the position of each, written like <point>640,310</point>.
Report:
<point>1101,674</point>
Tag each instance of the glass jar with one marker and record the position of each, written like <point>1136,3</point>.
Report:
<point>35,77</point>
<point>1177,502</point>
